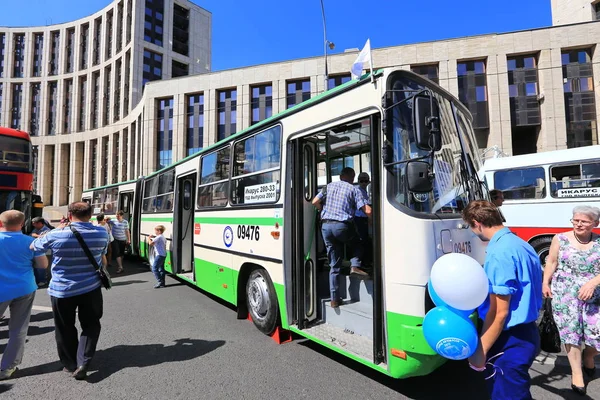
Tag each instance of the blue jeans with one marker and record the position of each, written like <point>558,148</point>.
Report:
<point>158,268</point>
<point>335,236</point>
<point>517,347</point>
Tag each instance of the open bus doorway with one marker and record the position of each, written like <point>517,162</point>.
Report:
<point>183,227</point>
<point>319,160</point>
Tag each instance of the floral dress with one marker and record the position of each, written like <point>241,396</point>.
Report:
<point>578,321</point>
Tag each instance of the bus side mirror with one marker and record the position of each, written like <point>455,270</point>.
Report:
<point>419,177</point>
<point>426,123</point>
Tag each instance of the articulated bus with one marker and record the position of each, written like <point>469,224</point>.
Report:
<point>16,175</point>
<point>540,190</point>
<point>241,226</point>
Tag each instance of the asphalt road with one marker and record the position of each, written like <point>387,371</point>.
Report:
<point>179,343</point>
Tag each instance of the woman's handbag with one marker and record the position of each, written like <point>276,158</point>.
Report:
<point>549,336</point>
<point>102,272</point>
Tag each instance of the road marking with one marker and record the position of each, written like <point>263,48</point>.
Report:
<point>41,308</point>
<point>554,359</point>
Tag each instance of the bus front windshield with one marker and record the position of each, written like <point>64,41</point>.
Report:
<point>455,166</point>
<point>15,200</point>
<point>15,154</point>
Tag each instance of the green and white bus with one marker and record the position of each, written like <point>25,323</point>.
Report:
<point>241,226</point>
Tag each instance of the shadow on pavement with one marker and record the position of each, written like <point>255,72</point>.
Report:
<point>112,360</point>
<point>43,316</point>
<point>447,382</point>
<point>124,283</point>
<point>558,373</point>
<point>4,387</point>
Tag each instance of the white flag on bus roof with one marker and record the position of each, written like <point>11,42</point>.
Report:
<point>363,57</point>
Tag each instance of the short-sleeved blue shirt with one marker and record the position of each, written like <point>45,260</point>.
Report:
<point>342,199</point>
<point>513,268</point>
<point>16,265</point>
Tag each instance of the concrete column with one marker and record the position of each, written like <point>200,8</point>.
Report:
<point>211,117</point>
<point>179,124</point>
<point>243,107</point>
<point>77,170</point>
<point>87,164</point>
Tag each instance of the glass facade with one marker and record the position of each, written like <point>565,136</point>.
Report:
<point>227,111</point>
<point>119,27</point>
<point>1,94</point>
<point>19,55</point>
<point>82,103</point>
<point>580,105</point>
<point>127,69</point>
<point>152,67</point>
<point>70,55</point>
<point>109,34</point>
<point>67,105</point>
<point>153,21</point>
<point>83,46</point>
<point>94,163</point>
<point>165,132</point>
<point>55,46</point>
<point>97,39</point>
<point>262,103</point>
<point>107,92</point>
<point>129,24</point>
<point>38,51</point>
<point>297,92</point>
<point>52,107</point>
<point>181,30</point>
<point>117,90</point>
<point>95,98</point>
<point>195,123</point>
<point>523,90</point>
<point>2,52</point>
<point>17,103</point>
<point>472,92</point>
<point>179,69</point>
<point>429,71</point>
<point>34,112</point>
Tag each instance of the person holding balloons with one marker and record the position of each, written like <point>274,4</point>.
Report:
<point>509,338</point>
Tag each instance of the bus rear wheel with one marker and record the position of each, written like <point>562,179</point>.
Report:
<point>542,247</point>
<point>262,301</point>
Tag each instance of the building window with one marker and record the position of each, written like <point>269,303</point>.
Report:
<point>117,105</point>
<point>152,67</point>
<point>179,69</point>
<point>195,123</point>
<point>129,21</point>
<point>17,100</point>
<point>82,103</point>
<point>68,104</point>
<point>70,50</point>
<point>104,164</point>
<point>109,34</point>
<point>38,48</point>
<point>34,116</point>
<point>165,132</point>
<point>107,89</point>
<point>55,46</point>
<point>115,164</point>
<point>83,56</point>
<point>262,103</point>
<point>19,52</point>
<point>94,163</point>
<point>335,81</point>
<point>52,106</point>
<point>1,93</point>
<point>472,92</point>
<point>153,21</point>
<point>181,31</point>
<point>97,36</point>
<point>430,72</point>
<point>95,98</point>
<point>2,51</point>
<point>126,85</point>
<point>580,105</point>
<point>597,11</point>
<point>297,92</point>
<point>119,27</point>
<point>227,110</point>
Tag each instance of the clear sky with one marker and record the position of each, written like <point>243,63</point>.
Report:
<point>247,32</point>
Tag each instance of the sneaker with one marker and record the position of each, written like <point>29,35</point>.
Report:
<point>358,271</point>
<point>7,373</point>
<point>158,285</point>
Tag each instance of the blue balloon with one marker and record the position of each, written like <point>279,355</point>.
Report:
<point>449,334</point>
<point>440,303</point>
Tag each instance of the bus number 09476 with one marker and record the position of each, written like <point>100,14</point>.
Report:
<point>462,247</point>
<point>250,232</point>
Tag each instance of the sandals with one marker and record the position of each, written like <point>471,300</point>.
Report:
<point>120,270</point>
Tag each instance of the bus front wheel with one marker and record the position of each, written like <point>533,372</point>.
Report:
<point>262,301</point>
<point>542,247</point>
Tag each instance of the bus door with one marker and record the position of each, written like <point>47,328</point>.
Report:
<point>183,226</point>
<point>125,201</point>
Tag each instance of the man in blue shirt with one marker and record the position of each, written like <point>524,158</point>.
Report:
<point>509,338</point>
<point>39,229</point>
<point>17,286</point>
<point>339,202</point>
<point>76,287</point>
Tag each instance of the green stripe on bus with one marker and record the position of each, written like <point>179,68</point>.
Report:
<point>225,220</point>
<point>157,219</point>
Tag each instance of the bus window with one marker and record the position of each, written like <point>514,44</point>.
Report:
<point>166,184</point>
<point>308,173</point>
<point>98,201</point>
<point>149,201</point>
<point>566,180</point>
<point>110,204</point>
<point>521,184</point>
<point>256,171</point>
<point>214,179</point>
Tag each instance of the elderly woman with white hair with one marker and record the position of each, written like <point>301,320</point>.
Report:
<point>572,279</point>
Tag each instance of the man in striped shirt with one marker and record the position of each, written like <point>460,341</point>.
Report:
<point>76,287</point>
<point>120,231</point>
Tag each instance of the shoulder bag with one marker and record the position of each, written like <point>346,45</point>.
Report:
<point>102,272</point>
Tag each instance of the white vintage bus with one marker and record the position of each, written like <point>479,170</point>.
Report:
<point>240,224</point>
<point>540,190</point>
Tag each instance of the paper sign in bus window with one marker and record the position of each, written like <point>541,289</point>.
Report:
<point>261,193</point>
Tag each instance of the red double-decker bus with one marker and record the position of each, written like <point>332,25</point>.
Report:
<point>16,174</point>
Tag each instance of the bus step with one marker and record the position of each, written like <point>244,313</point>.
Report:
<point>349,342</point>
<point>351,317</point>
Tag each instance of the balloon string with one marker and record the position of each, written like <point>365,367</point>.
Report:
<point>493,366</point>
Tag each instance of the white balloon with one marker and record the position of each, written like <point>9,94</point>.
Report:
<point>460,281</point>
